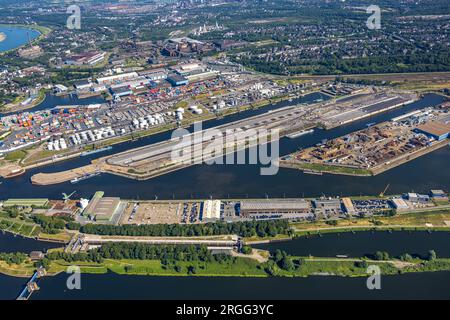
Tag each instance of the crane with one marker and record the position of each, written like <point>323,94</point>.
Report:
<point>384,191</point>
<point>66,197</point>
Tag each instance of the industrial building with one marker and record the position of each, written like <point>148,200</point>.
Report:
<point>82,85</point>
<point>101,208</point>
<point>211,210</point>
<point>417,198</point>
<point>435,129</point>
<point>275,209</point>
<point>87,58</point>
<point>399,204</point>
<point>439,195</point>
<point>348,206</point>
<point>155,74</point>
<point>26,203</point>
<point>117,77</point>
<point>327,206</point>
<point>121,92</point>
<point>177,80</point>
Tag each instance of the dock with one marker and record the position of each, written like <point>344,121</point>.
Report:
<point>32,286</point>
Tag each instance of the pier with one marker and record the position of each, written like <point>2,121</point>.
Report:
<point>32,286</point>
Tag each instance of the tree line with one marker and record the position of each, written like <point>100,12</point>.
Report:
<point>244,229</point>
<point>13,257</point>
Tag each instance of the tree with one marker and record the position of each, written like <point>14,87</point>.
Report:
<point>192,270</point>
<point>247,250</point>
<point>279,255</point>
<point>286,264</point>
<point>128,268</point>
<point>431,255</point>
<point>178,268</point>
<point>361,264</point>
<point>406,257</point>
<point>381,255</point>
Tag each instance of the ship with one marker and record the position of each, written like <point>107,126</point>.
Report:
<point>87,153</point>
<point>317,173</point>
<point>84,177</point>
<point>300,133</point>
<point>370,124</point>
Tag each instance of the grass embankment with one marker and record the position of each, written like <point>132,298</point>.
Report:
<point>245,267</point>
<point>28,229</point>
<point>18,226</point>
<point>16,156</point>
<point>25,269</point>
<point>438,220</point>
<point>317,167</point>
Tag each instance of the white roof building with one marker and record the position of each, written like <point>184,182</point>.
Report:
<point>211,209</point>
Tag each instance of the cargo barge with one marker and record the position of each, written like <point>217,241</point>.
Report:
<point>86,176</point>
<point>299,134</point>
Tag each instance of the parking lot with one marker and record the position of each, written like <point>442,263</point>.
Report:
<point>155,212</point>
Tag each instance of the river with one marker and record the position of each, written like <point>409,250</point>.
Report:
<point>241,181</point>
<point>366,243</point>
<point>15,243</point>
<point>16,37</point>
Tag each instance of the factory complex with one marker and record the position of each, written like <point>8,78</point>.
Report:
<point>141,101</point>
<point>113,210</point>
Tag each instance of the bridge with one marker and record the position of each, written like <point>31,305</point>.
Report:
<point>32,284</point>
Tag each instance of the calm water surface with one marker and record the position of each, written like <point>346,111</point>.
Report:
<point>16,37</point>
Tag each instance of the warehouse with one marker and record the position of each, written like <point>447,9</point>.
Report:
<point>81,85</point>
<point>121,92</point>
<point>348,205</point>
<point>399,204</point>
<point>435,129</point>
<point>327,206</point>
<point>275,209</point>
<point>101,208</point>
<point>117,77</point>
<point>211,210</point>
<point>439,195</point>
<point>25,203</point>
<point>177,80</point>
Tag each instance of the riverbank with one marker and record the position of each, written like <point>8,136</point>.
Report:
<point>17,106</point>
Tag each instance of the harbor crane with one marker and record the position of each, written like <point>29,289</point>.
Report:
<point>384,191</point>
<point>67,197</point>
